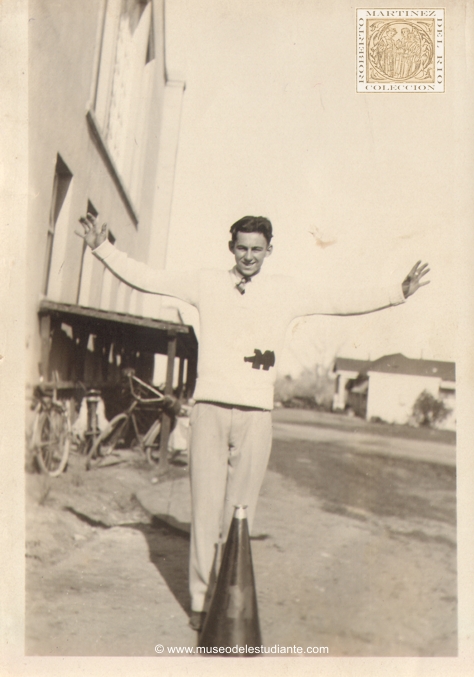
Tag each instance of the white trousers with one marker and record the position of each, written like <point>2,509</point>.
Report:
<point>229,452</point>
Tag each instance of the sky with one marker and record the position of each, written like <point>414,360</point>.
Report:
<point>358,186</point>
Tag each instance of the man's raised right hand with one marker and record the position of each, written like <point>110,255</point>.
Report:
<point>92,234</point>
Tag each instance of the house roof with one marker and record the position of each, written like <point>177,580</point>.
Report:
<point>349,364</point>
<point>399,364</point>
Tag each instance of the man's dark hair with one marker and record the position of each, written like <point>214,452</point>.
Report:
<point>252,224</point>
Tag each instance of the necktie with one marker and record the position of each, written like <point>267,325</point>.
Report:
<point>241,285</point>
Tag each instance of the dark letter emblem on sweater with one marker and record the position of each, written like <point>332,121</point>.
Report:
<point>265,360</point>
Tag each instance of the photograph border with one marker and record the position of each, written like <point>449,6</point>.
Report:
<point>14,115</point>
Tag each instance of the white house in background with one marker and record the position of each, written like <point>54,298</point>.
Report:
<point>396,381</point>
<point>388,388</point>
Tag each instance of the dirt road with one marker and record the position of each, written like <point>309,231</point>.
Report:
<point>353,551</point>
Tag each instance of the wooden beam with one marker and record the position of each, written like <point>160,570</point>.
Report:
<point>73,311</point>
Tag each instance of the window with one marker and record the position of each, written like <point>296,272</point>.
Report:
<point>123,88</point>
<point>57,229</point>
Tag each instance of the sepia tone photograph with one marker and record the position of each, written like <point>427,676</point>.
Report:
<point>243,363</point>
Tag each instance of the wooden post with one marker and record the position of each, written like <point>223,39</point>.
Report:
<point>166,419</point>
<point>181,376</point>
<point>45,332</point>
<point>191,376</point>
<point>81,339</point>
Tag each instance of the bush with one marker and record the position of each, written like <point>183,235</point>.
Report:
<point>302,403</point>
<point>377,419</point>
<point>427,410</point>
<point>312,389</point>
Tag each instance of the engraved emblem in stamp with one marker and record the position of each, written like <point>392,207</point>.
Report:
<point>400,50</point>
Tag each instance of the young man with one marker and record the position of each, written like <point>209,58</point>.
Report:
<point>244,315</point>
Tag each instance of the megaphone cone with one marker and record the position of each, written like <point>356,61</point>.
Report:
<point>232,619</point>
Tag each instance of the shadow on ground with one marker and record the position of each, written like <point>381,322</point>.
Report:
<point>169,552</point>
<point>168,548</point>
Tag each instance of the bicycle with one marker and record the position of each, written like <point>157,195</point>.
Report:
<point>51,433</point>
<point>145,436</point>
<point>86,428</point>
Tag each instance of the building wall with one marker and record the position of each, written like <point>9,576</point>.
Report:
<point>67,53</point>
<point>391,396</point>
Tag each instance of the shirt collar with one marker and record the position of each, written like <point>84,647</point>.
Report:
<point>238,276</point>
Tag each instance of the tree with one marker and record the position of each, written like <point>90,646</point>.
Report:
<point>313,388</point>
<point>428,410</point>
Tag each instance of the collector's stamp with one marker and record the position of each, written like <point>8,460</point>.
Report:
<point>400,50</point>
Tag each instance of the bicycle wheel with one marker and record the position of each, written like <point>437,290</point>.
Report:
<point>107,440</point>
<point>152,443</point>
<point>142,421</point>
<point>51,441</point>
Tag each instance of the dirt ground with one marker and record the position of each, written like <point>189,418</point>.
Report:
<point>98,566</point>
<point>354,549</point>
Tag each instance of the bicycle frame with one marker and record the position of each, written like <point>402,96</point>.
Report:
<point>110,437</point>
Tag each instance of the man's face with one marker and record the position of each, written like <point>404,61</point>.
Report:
<point>250,251</point>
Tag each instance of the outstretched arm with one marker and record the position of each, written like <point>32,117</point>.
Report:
<point>413,282</point>
<point>309,298</point>
<point>181,285</point>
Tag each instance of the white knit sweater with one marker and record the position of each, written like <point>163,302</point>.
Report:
<point>236,326</point>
